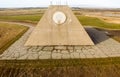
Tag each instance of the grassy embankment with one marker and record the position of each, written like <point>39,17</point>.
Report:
<point>104,67</point>
<point>9,33</point>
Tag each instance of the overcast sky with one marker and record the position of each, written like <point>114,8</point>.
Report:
<point>44,3</point>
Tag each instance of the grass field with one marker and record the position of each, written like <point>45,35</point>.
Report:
<point>9,33</point>
<point>85,20</point>
<point>22,18</point>
<point>104,67</point>
<point>96,22</point>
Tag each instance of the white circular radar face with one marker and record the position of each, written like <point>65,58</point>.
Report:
<point>59,17</point>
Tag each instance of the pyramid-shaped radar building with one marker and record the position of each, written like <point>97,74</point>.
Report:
<point>59,26</point>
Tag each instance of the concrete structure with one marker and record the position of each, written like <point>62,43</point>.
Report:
<point>59,26</point>
<point>105,47</point>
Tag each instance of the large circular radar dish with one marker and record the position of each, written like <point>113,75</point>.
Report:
<point>59,17</point>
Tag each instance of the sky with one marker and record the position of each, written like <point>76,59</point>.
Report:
<point>46,3</point>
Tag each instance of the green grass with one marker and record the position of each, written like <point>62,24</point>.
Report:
<point>9,33</point>
<point>96,22</point>
<point>22,18</point>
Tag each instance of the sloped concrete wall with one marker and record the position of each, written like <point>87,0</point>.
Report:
<point>48,32</point>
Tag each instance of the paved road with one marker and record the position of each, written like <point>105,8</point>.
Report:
<point>105,47</point>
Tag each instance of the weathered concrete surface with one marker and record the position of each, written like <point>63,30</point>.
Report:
<point>105,47</point>
<point>69,33</point>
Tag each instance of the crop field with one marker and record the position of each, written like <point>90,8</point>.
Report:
<point>9,33</point>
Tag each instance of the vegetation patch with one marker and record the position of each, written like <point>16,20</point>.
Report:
<point>104,67</point>
<point>60,62</point>
<point>22,18</point>
<point>9,33</point>
<point>117,38</point>
<point>96,22</point>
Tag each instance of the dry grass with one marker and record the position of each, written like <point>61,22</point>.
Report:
<point>22,18</point>
<point>105,67</point>
<point>110,16</point>
<point>9,33</point>
<point>112,20</point>
<point>12,12</point>
<point>22,15</point>
<point>117,38</point>
<point>96,22</point>
<point>115,20</point>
